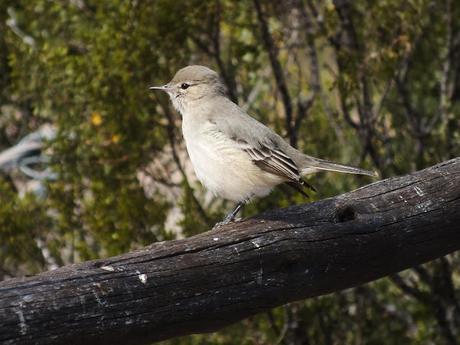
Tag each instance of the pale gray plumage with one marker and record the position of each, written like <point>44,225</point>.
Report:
<point>233,154</point>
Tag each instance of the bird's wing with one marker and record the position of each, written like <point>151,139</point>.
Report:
<point>276,162</point>
<point>261,144</point>
<point>273,161</point>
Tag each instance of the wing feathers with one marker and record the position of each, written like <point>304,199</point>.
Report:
<point>274,161</point>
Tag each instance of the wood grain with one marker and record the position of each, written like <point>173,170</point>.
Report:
<point>211,280</point>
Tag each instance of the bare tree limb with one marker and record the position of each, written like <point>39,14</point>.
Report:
<point>314,74</point>
<point>278,73</point>
<point>212,47</point>
<point>351,42</point>
<point>211,280</point>
<point>446,84</point>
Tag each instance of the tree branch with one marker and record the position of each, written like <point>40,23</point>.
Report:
<point>278,73</point>
<point>212,47</point>
<point>211,280</point>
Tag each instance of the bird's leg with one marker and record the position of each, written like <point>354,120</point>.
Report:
<point>231,216</point>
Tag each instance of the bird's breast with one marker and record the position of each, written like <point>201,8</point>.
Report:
<point>223,167</point>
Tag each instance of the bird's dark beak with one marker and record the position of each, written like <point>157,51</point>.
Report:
<point>165,88</point>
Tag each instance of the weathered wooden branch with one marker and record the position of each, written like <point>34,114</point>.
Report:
<point>208,281</point>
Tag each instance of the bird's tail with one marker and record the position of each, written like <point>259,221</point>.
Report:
<point>322,164</point>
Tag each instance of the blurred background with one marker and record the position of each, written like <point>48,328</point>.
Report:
<point>92,164</point>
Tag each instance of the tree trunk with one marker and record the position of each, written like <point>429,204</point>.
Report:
<point>211,280</point>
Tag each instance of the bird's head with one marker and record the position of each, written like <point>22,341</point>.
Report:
<point>190,84</point>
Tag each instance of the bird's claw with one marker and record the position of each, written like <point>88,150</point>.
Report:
<point>225,222</point>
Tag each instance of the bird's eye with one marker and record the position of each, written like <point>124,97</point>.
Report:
<point>184,86</point>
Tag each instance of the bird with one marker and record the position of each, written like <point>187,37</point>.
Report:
<point>234,155</point>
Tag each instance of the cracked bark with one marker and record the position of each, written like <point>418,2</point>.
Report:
<point>211,280</point>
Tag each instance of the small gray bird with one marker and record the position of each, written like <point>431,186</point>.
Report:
<point>234,155</point>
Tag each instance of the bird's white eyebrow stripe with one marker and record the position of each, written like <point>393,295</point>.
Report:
<point>193,82</point>
<point>190,83</point>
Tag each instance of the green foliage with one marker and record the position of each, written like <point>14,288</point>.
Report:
<point>22,222</point>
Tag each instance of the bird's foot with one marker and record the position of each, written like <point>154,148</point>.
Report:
<point>219,224</point>
<point>225,222</point>
<point>231,217</point>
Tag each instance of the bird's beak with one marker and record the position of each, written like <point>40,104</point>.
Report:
<point>165,88</point>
